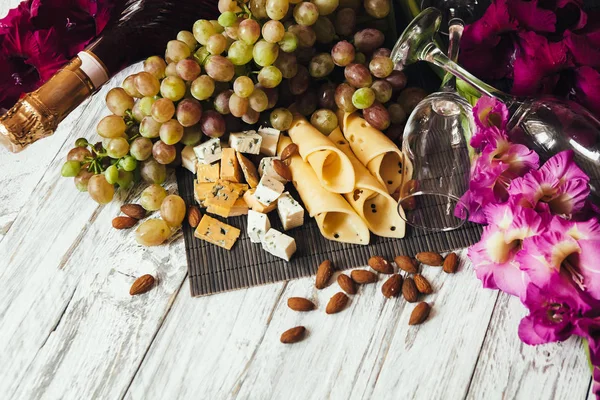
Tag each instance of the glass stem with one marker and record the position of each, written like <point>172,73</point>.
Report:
<point>455,31</point>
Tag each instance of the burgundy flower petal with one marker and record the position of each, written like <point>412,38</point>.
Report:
<point>584,48</point>
<point>587,88</point>
<point>487,30</point>
<point>531,17</point>
<point>490,63</point>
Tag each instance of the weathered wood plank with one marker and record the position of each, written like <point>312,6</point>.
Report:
<point>510,369</point>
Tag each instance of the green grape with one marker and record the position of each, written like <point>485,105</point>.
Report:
<point>128,163</point>
<point>217,44</point>
<point>241,70</point>
<point>203,30</point>
<point>383,91</point>
<point>227,19</point>
<point>243,86</point>
<point>111,126</point>
<point>164,153</point>
<point>117,148</point>
<point>153,172</point>
<point>125,179</point>
<point>249,31</point>
<point>137,112</point>
<point>162,110</point>
<point>201,55</point>
<point>277,9</point>
<point>363,98</point>
<point>118,101</point>
<point>233,31</point>
<point>381,67</point>
<point>187,69</point>
<point>82,180</point>
<point>171,69</point>
<point>238,105</point>
<point>152,197</point>
<point>258,9</point>
<point>141,148</point>
<point>218,27</point>
<point>70,169</point>
<point>156,66</point>
<point>324,30</point>
<point>149,128</point>
<point>270,76</point>
<point>265,53</point>
<point>188,38</point>
<point>203,87</point>
<point>305,34</point>
<point>111,174</point>
<point>172,88</point>
<point>173,210</point>
<point>219,68</point>
<point>321,65</point>
<point>145,105</point>
<point>326,7</point>
<point>273,31</point>
<point>306,13</point>
<point>281,119</point>
<point>147,84</point>
<point>152,232</point>
<point>171,132</point>
<point>360,58</point>
<point>343,53</point>
<point>81,142</point>
<point>240,52</point>
<point>100,190</point>
<point>251,117</point>
<point>191,136</point>
<point>258,100</point>
<point>78,154</point>
<point>324,120</point>
<point>289,42</point>
<point>129,86</point>
<point>177,51</point>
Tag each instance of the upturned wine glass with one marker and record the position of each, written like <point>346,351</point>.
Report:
<point>546,124</point>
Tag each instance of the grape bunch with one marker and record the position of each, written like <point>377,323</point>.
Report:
<point>259,62</point>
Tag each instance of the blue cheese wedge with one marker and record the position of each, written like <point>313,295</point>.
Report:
<point>246,142</point>
<point>265,168</point>
<point>279,244</point>
<point>268,190</point>
<point>230,168</point>
<point>209,152</point>
<point>290,212</point>
<point>270,138</point>
<point>216,232</point>
<point>258,225</point>
<point>256,205</point>
<point>221,198</point>
<point>189,159</point>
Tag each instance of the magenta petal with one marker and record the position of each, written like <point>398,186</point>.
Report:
<point>490,112</point>
<point>570,198</point>
<point>587,88</point>
<point>487,30</point>
<point>578,230</point>
<point>531,17</point>
<point>587,264</point>
<point>528,334</point>
<point>584,48</point>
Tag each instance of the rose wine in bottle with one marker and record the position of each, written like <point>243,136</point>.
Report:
<point>137,29</point>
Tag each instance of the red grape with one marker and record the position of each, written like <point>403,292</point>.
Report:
<point>367,40</point>
<point>342,53</point>
<point>358,75</point>
<point>377,115</point>
<point>212,124</point>
<point>189,112</point>
<point>343,97</point>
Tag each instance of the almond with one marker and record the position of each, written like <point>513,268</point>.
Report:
<point>362,276</point>
<point>419,314</point>
<point>293,335</point>
<point>134,211</point>
<point>289,151</point>
<point>194,216</point>
<point>324,274</point>
<point>422,284</point>
<point>123,222</point>
<point>346,283</point>
<point>451,263</point>
<point>300,304</point>
<point>392,287</point>
<point>142,284</point>
<point>406,264</point>
<point>381,265</point>
<point>409,290</point>
<point>430,258</point>
<point>282,170</point>
<point>336,303</point>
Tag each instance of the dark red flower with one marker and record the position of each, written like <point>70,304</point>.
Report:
<point>587,88</point>
<point>532,17</point>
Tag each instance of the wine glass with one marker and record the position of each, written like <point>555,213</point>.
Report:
<point>435,143</point>
<point>546,124</point>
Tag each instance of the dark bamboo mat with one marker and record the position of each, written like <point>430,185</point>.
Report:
<point>214,270</point>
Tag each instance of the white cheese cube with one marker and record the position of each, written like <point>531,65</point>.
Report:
<point>268,190</point>
<point>290,212</point>
<point>246,142</point>
<point>279,244</point>
<point>258,225</point>
<point>265,168</point>
<point>208,152</point>
<point>270,138</point>
<point>189,159</point>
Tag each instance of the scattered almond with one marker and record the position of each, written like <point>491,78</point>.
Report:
<point>362,276</point>
<point>430,258</point>
<point>142,285</point>
<point>290,150</point>
<point>422,284</point>
<point>336,303</point>
<point>409,290</point>
<point>194,216</point>
<point>419,314</point>
<point>451,263</point>
<point>324,274</point>
<point>381,265</point>
<point>300,304</point>
<point>293,335</point>
<point>283,170</point>
<point>123,222</point>
<point>392,287</point>
<point>346,283</point>
<point>406,264</point>
<point>134,211</point>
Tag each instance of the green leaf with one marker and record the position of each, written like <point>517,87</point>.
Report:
<point>467,91</point>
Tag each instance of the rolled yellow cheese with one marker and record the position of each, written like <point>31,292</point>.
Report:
<point>336,219</point>
<point>375,151</point>
<point>332,167</point>
<point>369,198</point>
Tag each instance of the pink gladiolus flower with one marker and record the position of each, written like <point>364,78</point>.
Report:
<point>489,112</point>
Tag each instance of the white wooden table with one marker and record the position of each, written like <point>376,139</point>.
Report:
<point>70,330</point>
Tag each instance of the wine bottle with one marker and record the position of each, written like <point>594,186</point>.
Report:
<point>137,29</point>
